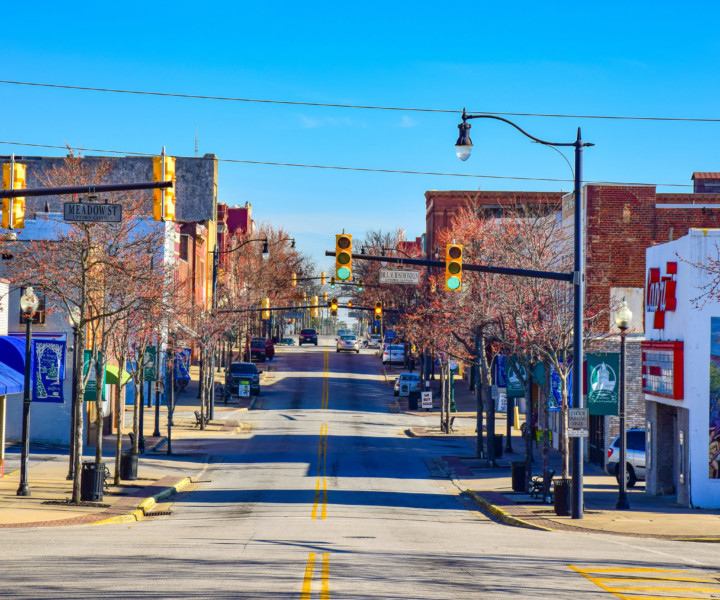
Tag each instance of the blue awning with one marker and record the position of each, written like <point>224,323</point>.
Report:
<point>12,365</point>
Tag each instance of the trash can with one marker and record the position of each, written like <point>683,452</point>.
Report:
<point>517,470</point>
<point>413,400</point>
<point>498,445</point>
<point>128,465</point>
<point>92,476</point>
<point>561,491</point>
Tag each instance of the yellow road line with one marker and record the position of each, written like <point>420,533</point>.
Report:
<point>307,580</point>
<point>325,582</point>
<point>650,579</point>
<point>321,476</point>
<point>326,381</point>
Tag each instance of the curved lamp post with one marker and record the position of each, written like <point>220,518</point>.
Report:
<point>73,318</point>
<point>623,320</point>
<point>29,303</point>
<point>463,149</point>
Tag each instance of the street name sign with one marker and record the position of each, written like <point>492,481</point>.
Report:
<point>578,418</point>
<point>577,433</point>
<point>395,276</point>
<point>92,212</point>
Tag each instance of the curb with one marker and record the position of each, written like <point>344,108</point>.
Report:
<point>146,505</point>
<point>501,515</point>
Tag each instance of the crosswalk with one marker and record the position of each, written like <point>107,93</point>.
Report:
<point>648,583</point>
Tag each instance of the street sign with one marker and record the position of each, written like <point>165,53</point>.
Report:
<point>390,335</point>
<point>426,399</point>
<point>577,433</point>
<point>92,212</point>
<point>397,276</point>
<point>578,418</point>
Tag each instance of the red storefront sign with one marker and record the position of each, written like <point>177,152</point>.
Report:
<point>662,369</point>
<point>660,293</point>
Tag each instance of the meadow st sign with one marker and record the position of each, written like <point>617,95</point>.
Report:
<point>394,276</point>
<point>92,212</point>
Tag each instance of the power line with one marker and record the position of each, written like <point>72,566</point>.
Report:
<point>354,106</point>
<point>357,169</point>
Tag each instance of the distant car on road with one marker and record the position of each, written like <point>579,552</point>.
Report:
<point>307,336</point>
<point>635,457</point>
<point>288,341</point>
<point>257,350</point>
<point>393,353</point>
<point>244,377</point>
<point>269,346</point>
<point>412,380</point>
<point>348,343</point>
<point>373,341</point>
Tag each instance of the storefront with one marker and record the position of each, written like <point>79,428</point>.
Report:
<point>681,371</point>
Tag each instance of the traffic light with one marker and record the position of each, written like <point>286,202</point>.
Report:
<point>304,296</point>
<point>453,267</point>
<point>360,285</point>
<point>333,307</point>
<point>315,311</point>
<point>343,256</point>
<point>323,279</point>
<point>349,303</point>
<point>378,309</point>
<point>266,313</point>
<point>13,178</point>
<point>164,199</point>
<point>332,283</point>
<point>324,296</point>
<point>293,280</point>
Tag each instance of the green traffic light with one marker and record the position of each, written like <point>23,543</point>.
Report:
<point>343,273</point>
<point>453,283</point>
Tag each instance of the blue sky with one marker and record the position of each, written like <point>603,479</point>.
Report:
<point>636,59</point>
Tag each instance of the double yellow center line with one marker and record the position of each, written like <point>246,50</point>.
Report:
<point>324,579</point>
<point>325,381</point>
<point>321,478</point>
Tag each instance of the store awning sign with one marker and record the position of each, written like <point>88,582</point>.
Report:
<point>660,293</point>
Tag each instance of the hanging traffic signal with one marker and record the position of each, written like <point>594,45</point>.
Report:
<point>378,308</point>
<point>332,283</point>
<point>266,313</point>
<point>315,311</point>
<point>453,267</point>
<point>13,209</point>
<point>323,279</point>
<point>164,199</point>
<point>293,280</point>
<point>349,303</point>
<point>343,256</point>
<point>360,285</point>
<point>324,296</point>
<point>333,307</point>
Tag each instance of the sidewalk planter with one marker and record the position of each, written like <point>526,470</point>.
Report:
<point>498,445</point>
<point>91,481</point>
<point>517,470</point>
<point>128,465</point>
<point>561,489</point>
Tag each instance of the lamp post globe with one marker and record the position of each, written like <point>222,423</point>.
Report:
<point>265,251</point>
<point>623,316</point>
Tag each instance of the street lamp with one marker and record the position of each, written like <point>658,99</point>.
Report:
<point>28,304</point>
<point>623,320</point>
<point>73,318</point>
<point>463,148</point>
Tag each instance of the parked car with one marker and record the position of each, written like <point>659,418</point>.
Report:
<point>393,353</point>
<point>269,346</point>
<point>412,380</point>
<point>244,378</point>
<point>348,343</point>
<point>257,350</point>
<point>288,341</point>
<point>307,336</point>
<point>635,456</point>
<point>373,341</point>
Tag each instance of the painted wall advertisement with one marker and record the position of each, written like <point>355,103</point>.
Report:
<point>48,370</point>
<point>603,383</point>
<point>714,400</point>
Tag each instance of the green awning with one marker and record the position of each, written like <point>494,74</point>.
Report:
<point>111,375</point>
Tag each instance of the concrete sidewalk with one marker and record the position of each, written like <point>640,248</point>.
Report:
<point>648,516</point>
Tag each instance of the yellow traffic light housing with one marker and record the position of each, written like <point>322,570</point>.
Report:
<point>453,267</point>
<point>315,311</point>
<point>13,209</point>
<point>164,199</point>
<point>323,279</point>
<point>293,280</point>
<point>378,308</point>
<point>332,283</point>
<point>360,285</point>
<point>333,307</point>
<point>324,296</point>
<point>349,303</point>
<point>343,256</point>
<point>266,313</point>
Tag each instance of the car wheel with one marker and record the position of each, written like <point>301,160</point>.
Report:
<point>338,351</point>
<point>357,351</point>
<point>396,393</point>
<point>630,477</point>
<point>316,343</point>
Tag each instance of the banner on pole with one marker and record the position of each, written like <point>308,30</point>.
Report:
<point>603,383</point>
<point>48,370</point>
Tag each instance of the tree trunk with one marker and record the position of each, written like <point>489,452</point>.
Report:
<point>442,399</point>
<point>528,427</point>
<point>202,390</point>
<point>79,425</point>
<point>564,445</point>
<point>100,415</point>
<point>119,413</point>
<point>543,402</point>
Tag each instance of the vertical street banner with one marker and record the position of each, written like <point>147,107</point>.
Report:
<point>91,387</point>
<point>182,365</point>
<point>555,397</point>
<point>48,370</point>
<point>714,400</point>
<point>603,383</point>
<point>514,376</point>
<point>149,364</point>
<point>500,369</point>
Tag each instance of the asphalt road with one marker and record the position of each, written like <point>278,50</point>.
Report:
<point>326,498</point>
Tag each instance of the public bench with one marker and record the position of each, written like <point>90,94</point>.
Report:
<point>200,418</point>
<point>538,484</point>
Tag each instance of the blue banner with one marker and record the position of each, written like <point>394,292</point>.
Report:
<point>555,398</point>
<point>182,365</point>
<point>500,370</point>
<point>48,370</point>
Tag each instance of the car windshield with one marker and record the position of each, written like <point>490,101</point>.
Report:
<point>243,368</point>
<point>258,345</point>
<point>410,376</point>
<point>307,332</point>
<point>398,347</point>
<point>348,338</point>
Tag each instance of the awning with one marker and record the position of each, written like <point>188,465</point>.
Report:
<point>12,365</point>
<point>111,375</point>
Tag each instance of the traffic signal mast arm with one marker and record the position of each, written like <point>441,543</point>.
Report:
<point>467,267</point>
<point>85,189</point>
<point>321,305</point>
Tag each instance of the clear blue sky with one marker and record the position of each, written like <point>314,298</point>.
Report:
<point>631,58</point>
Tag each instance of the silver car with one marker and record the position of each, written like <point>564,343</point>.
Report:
<point>348,343</point>
<point>635,455</point>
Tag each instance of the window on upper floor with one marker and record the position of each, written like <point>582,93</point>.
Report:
<point>184,247</point>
